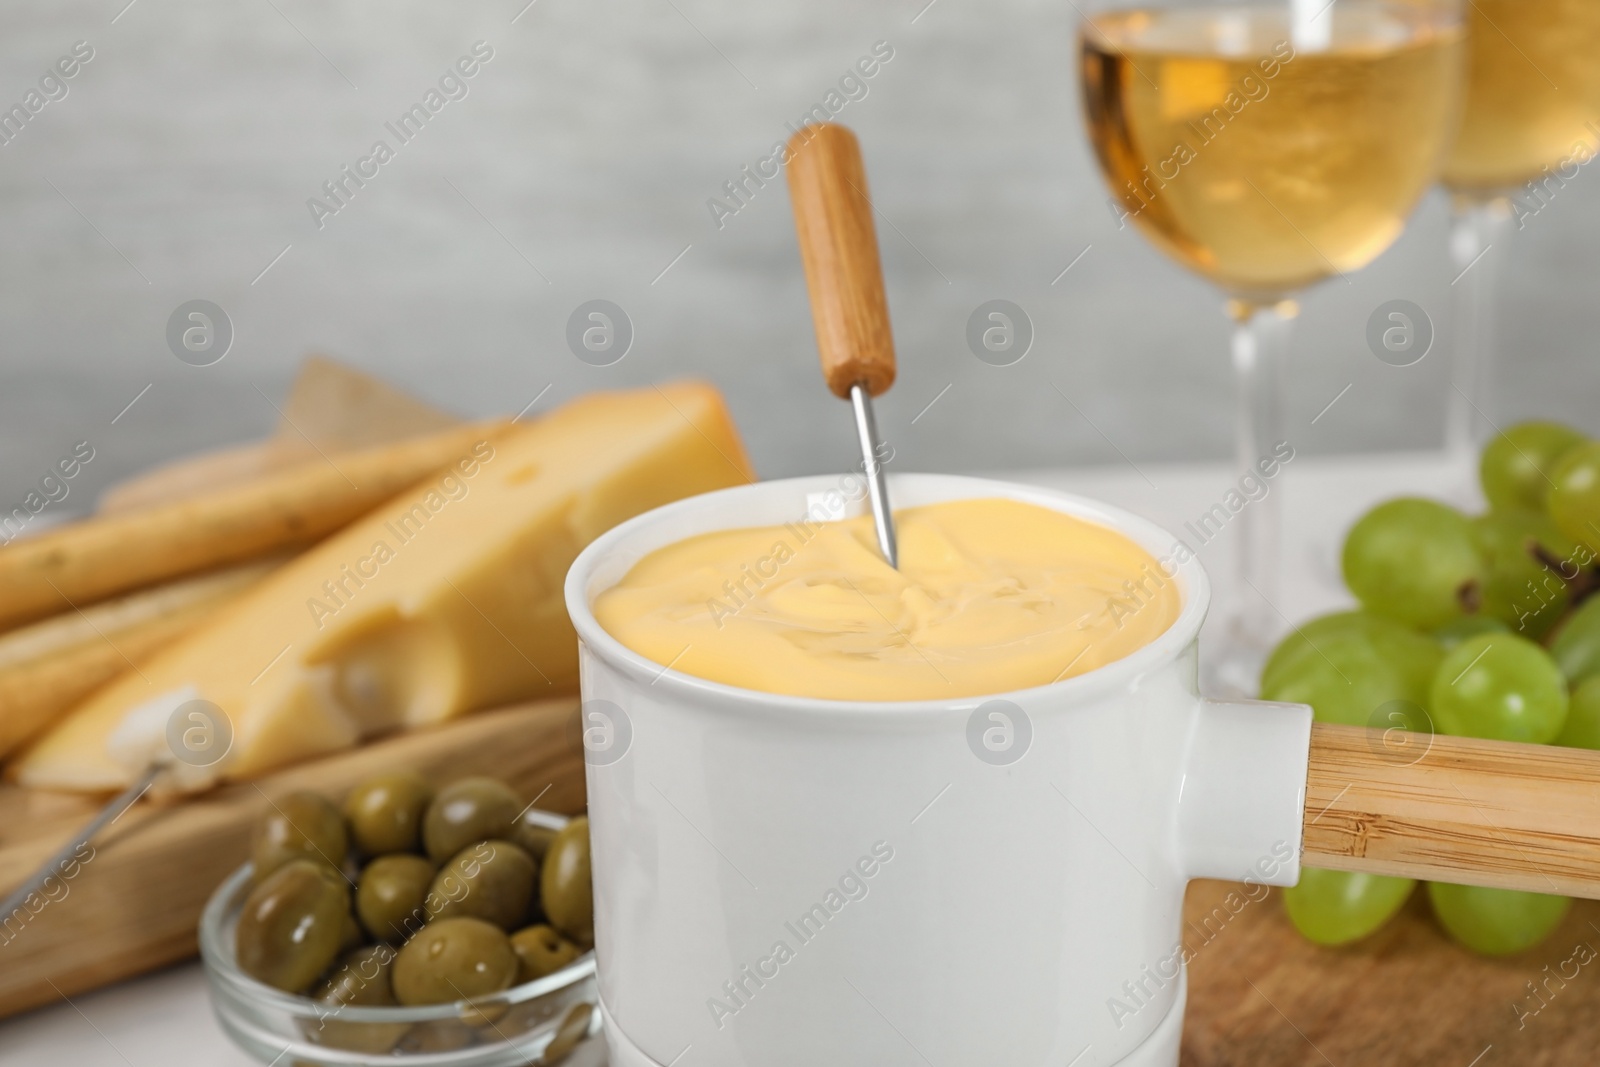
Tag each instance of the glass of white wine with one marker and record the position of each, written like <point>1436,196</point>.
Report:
<point>1531,114</point>
<point>1268,146</point>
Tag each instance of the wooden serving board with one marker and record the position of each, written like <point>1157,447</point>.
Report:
<point>136,903</point>
<point>1260,995</point>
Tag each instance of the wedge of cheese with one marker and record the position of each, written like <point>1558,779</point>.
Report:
<point>445,600</point>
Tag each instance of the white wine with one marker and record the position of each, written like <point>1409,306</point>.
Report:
<point>1264,167</point>
<point>1533,91</point>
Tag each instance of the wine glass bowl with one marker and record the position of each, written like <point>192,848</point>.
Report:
<point>1260,163</point>
<point>1532,92</point>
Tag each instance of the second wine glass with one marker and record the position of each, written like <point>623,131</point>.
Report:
<point>1267,146</point>
<point>1531,116</point>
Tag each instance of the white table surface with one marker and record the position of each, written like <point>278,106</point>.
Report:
<point>164,1019</point>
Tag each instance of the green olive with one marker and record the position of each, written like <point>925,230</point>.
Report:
<point>299,826</point>
<point>440,1035</point>
<point>573,1029</point>
<point>351,936</point>
<point>391,896</point>
<point>490,880</point>
<point>292,924</point>
<point>472,809</point>
<point>454,959</point>
<point>540,951</point>
<point>385,813</point>
<point>565,889</point>
<point>361,978</point>
<point>532,835</point>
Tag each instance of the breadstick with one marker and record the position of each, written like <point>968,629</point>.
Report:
<point>49,666</point>
<point>101,557</point>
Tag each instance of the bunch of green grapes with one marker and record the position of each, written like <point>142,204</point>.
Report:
<point>1476,626</point>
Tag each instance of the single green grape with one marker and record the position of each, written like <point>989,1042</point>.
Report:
<point>1499,686</point>
<point>1304,640</point>
<point>1574,501</point>
<point>1355,669</point>
<point>1521,589</point>
<point>1576,645</point>
<point>1452,634</point>
<point>1415,561</point>
<point>1516,465</point>
<point>1582,728</point>
<point>1337,907</point>
<point>1496,922</point>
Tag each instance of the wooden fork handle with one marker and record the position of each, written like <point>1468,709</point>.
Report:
<point>839,247</point>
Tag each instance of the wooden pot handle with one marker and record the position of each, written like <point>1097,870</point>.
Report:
<point>833,221</point>
<point>1454,809</point>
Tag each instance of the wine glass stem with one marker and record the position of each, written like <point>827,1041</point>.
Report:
<point>1479,233</point>
<point>1260,340</point>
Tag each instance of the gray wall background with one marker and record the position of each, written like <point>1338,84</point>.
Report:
<point>579,166</point>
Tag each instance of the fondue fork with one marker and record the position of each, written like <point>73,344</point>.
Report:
<point>839,247</point>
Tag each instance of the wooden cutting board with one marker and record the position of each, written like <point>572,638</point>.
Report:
<point>1260,994</point>
<point>136,903</point>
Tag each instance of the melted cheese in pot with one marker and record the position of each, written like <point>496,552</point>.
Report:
<point>992,595</point>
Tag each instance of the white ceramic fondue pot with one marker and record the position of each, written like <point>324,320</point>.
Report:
<point>785,881</point>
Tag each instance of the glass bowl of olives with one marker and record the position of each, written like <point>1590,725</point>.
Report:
<point>407,926</point>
